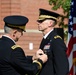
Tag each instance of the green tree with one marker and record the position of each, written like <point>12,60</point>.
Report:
<point>65,5</point>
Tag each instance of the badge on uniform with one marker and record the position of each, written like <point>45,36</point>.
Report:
<point>46,49</point>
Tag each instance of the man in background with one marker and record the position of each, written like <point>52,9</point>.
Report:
<point>52,44</point>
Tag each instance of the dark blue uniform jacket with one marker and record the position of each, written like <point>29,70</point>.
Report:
<point>13,60</point>
<point>55,48</point>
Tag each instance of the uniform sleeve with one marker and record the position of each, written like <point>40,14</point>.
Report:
<point>60,59</point>
<point>20,62</point>
<point>29,58</point>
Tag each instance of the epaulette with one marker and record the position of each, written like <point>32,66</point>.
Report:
<point>15,46</point>
<point>57,36</point>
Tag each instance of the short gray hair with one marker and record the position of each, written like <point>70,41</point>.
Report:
<point>7,29</point>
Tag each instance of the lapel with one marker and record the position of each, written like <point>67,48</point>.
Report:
<point>47,40</point>
<point>42,43</point>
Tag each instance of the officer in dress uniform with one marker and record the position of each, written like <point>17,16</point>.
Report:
<point>52,44</point>
<point>12,58</point>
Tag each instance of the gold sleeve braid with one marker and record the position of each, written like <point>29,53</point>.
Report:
<point>39,67</point>
<point>36,61</point>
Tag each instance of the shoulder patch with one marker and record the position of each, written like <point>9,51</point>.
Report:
<point>15,46</point>
<point>57,36</point>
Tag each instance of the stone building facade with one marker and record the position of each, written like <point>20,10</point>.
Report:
<point>31,39</point>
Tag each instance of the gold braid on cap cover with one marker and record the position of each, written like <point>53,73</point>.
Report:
<point>21,27</point>
<point>41,17</point>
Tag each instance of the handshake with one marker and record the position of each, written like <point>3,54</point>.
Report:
<point>40,55</point>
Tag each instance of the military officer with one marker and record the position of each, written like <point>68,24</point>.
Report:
<point>12,58</point>
<point>52,44</point>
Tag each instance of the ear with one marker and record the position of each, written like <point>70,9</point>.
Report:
<point>51,23</point>
<point>14,32</point>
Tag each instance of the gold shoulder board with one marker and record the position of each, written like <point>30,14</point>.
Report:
<point>15,46</point>
<point>57,36</point>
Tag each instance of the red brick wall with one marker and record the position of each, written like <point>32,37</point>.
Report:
<point>29,8</point>
<point>28,38</point>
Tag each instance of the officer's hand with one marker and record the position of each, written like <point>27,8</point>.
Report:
<point>0,36</point>
<point>43,57</point>
<point>38,54</point>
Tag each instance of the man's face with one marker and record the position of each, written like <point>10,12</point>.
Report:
<point>42,26</point>
<point>18,34</point>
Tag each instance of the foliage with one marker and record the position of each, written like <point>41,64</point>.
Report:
<point>65,5</point>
